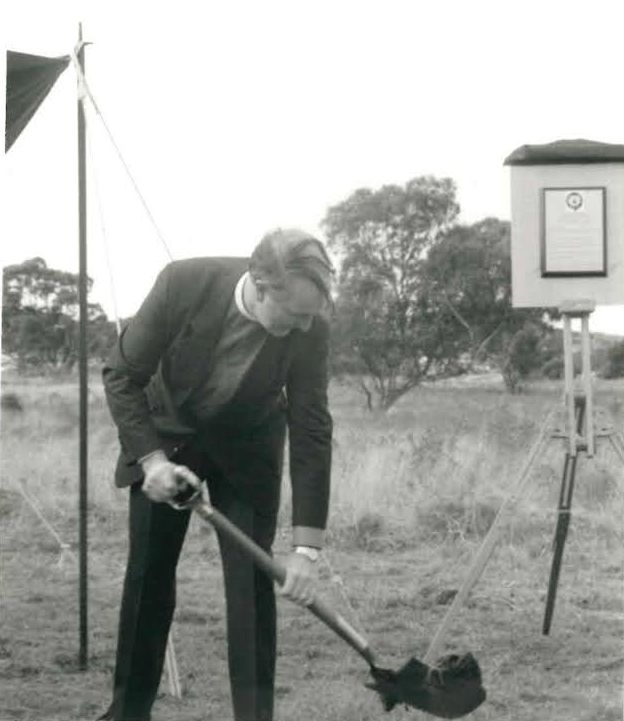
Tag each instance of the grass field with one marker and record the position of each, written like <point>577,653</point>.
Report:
<point>413,494</point>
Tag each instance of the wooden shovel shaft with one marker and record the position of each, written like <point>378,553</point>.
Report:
<point>278,573</point>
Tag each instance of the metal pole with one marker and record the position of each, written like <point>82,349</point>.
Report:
<point>564,515</point>
<point>82,296</point>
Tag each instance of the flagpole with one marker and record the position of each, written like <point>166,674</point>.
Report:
<point>83,369</point>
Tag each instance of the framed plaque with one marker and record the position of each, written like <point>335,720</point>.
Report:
<point>574,241</point>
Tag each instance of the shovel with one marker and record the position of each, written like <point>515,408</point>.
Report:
<point>450,689</point>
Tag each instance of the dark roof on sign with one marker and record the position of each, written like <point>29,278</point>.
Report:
<point>577,151</point>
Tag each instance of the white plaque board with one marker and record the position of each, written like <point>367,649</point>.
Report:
<point>574,239</point>
<point>585,258</point>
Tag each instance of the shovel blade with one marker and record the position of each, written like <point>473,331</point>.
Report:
<point>450,689</point>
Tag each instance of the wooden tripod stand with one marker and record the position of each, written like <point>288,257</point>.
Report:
<point>580,431</point>
<point>583,428</point>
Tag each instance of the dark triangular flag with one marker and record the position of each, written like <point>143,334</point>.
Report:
<point>29,79</point>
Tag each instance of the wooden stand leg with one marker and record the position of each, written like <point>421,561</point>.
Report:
<point>568,371</point>
<point>487,547</point>
<point>587,384</point>
<point>171,665</point>
<point>617,441</point>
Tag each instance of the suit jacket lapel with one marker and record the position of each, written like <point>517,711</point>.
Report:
<point>200,334</point>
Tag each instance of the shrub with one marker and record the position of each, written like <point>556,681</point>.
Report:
<point>614,365</point>
<point>11,402</point>
<point>553,368</point>
<point>522,357</point>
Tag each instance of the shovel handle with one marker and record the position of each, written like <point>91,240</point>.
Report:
<point>278,573</point>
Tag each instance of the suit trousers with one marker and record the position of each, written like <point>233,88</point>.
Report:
<point>157,533</point>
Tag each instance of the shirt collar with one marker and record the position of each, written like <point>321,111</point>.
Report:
<point>238,297</point>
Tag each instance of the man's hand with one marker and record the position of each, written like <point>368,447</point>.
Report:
<point>301,577</point>
<point>163,479</point>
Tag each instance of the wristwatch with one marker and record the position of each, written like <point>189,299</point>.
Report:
<point>308,551</point>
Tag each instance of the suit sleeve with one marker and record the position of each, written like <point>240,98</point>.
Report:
<point>130,365</point>
<point>310,435</point>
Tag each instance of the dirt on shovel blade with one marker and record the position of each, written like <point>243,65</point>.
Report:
<point>450,689</point>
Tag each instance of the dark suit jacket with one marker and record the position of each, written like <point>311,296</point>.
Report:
<point>163,355</point>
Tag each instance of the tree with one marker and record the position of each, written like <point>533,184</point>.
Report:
<point>468,275</point>
<point>468,292</point>
<point>382,334</point>
<point>32,284</point>
<point>40,314</point>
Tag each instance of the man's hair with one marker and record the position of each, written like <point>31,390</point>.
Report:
<point>290,251</point>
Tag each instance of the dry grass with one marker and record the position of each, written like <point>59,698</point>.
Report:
<point>413,494</point>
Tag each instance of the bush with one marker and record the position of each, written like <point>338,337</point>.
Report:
<point>614,365</point>
<point>11,402</point>
<point>522,357</point>
<point>553,368</point>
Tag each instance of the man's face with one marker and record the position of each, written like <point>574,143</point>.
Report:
<point>281,310</point>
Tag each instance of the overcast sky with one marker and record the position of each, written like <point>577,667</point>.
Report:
<point>243,116</point>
